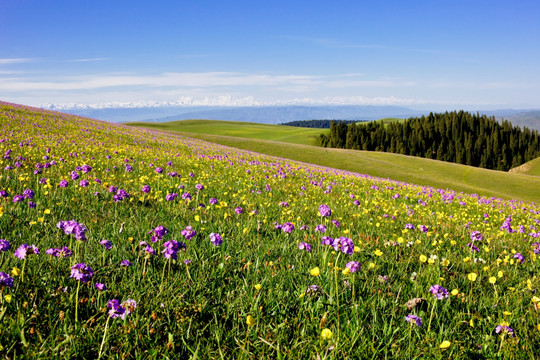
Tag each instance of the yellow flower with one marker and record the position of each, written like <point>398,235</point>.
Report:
<point>258,287</point>
<point>455,292</point>
<point>507,313</point>
<point>423,258</point>
<point>250,320</point>
<point>472,276</point>
<point>357,249</point>
<point>326,334</point>
<point>445,344</point>
<point>46,211</point>
<point>15,271</point>
<point>535,299</point>
<point>315,271</point>
<point>7,297</point>
<point>346,271</point>
<point>378,252</point>
<point>371,265</point>
<point>500,274</point>
<point>492,280</point>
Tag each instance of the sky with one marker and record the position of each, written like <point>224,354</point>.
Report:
<point>421,54</point>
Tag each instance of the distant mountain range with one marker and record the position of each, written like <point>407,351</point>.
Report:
<point>282,114</point>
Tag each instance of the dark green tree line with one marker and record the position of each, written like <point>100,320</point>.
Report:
<point>458,136</point>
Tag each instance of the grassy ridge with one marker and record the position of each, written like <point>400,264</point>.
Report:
<point>398,167</point>
<point>530,168</point>
<point>288,134</point>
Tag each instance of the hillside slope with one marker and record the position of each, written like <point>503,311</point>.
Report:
<point>420,171</point>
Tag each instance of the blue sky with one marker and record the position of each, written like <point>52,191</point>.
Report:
<point>423,54</point>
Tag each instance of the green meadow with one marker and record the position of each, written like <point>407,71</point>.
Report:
<point>286,134</point>
<point>262,139</point>
<point>123,243</point>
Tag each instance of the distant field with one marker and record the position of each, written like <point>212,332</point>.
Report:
<point>530,168</point>
<point>390,120</point>
<point>385,165</point>
<point>287,134</point>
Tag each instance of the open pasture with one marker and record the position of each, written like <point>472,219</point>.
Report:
<point>286,134</point>
<point>127,243</point>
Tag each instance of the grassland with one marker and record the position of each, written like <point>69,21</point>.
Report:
<point>287,134</point>
<point>385,165</point>
<point>124,243</point>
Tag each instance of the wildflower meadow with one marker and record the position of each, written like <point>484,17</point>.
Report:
<point>119,242</point>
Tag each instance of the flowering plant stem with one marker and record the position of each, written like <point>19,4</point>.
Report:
<point>77,303</point>
<point>104,337</point>
<point>431,315</point>
<point>22,271</point>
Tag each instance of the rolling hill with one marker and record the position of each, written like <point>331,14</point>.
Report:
<point>385,165</point>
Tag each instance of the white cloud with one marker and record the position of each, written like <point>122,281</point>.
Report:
<point>91,59</point>
<point>14,61</point>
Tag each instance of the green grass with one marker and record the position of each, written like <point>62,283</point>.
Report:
<point>410,169</point>
<point>530,168</point>
<point>287,134</point>
<point>314,264</point>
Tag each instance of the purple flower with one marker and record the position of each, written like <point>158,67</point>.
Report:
<point>63,183</point>
<point>284,204</point>
<point>536,248</point>
<point>473,247</point>
<point>62,252</point>
<point>171,196</point>
<point>3,193</point>
<point>353,266</point>
<point>4,245</point>
<point>409,226</point>
<point>476,236</point>
<point>116,309</point>
<point>74,175</point>
<point>100,286</point>
<point>125,263</point>
<point>31,205</point>
<point>505,330</point>
<point>106,244</point>
<point>186,196</point>
<point>199,187</point>
<point>313,290</point>
<point>159,170</point>
<point>423,228</point>
<point>304,246</point>
<point>413,319</point>
<point>320,228</point>
<point>81,272</point>
<point>336,223</point>
<point>519,257</point>
<point>287,227</point>
<point>73,227</point>
<point>439,292</point>
<point>189,233</point>
<point>28,194</point>
<point>216,239</point>
<point>213,201</point>
<point>17,198</point>
<point>146,189</point>
<point>84,183</point>
<point>5,280</point>
<point>171,249</point>
<point>327,240</point>
<point>25,250</point>
<point>238,210</point>
<point>324,210</point>
<point>159,232</point>
<point>345,244</point>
